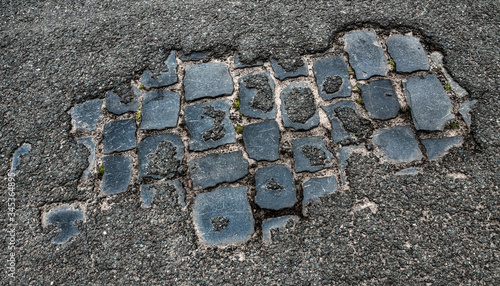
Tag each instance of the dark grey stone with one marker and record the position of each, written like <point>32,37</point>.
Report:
<point>379,99</point>
<point>24,149</point>
<point>365,54</point>
<point>430,106</point>
<point>437,147</point>
<point>348,127</point>
<point>256,96</point>
<point>310,154</point>
<point>64,217</point>
<point>209,125</point>
<point>160,109</point>
<point>166,164</point>
<point>207,80</point>
<point>119,136</point>
<point>262,140</point>
<point>117,173</point>
<point>89,143</point>
<point>314,188</point>
<point>281,74</point>
<point>115,106</point>
<point>192,57</point>
<point>397,144</point>
<point>408,53</point>
<point>437,58</point>
<point>149,191</point>
<point>275,223</point>
<point>275,187</point>
<point>223,216</point>
<point>298,106</point>
<point>147,195</point>
<point>343,153</point>
<point>218,168</point>
<point>86,115</point>
<point>465,109</point>
<point>332,78</point>
<point>239,65</point>
<point>409,172</point>
<point>166,78</point>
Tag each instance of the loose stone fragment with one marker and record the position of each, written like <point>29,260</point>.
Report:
<point>160,156</point>
<point>365,54</point>
<point>239,65</point>
<point>223,217</point>
<point>298,106</point>
<point>115,106</point>
<point>332,78</point>
<point>409,172</point>
<point>89,143</point>
<point>149,191</point>
<point>343,154</point>
<point>207,80</point>
<point>192,57</point>
<point>408,53</point>
<point>275,187</point>
<point>310,154</point>
<point>24,149</point>
<point>262,140</point>
<point>275,223</point>
<point>166,77</point>
<point>160,109</point>
<point>314,188</point>
<point>397,144</point>
<point>119,136</point>
<point>281,74</point>
<point>147,195</point>
<point>218,168</point>
<point>430,106</point>
<point>86,115</point>
<point>209,125</point>
<point>64,217</point>
<point>437,58</point>
<point>379,99</point>
<point>345,119</point>
<point>257,96</point>
<point>117,174</point>
<point>437,147</point>
<point>465,109</point>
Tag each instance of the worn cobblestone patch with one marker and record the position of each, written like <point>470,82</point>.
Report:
<point>86,115</point>
<point>398,144</point>
<point>119,136</point>
<point>275,187</point>
<point>117,174</point>
<point>380,99</point>
<point>262,140</point>
<point>365,54</point>
<point>160,110</point>
<point>64,217</point>
<point>160,156</point>
<point>407,53</point>
<point>298,107</point>
<point>213,169</point>
<point>207,80</point>
<point>257,96</point>
<point>332,78</point>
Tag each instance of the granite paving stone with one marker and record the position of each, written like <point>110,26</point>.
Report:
<point>298,106</point>
<point>262,140</point>
<point>119,135</point>
<point>430,106</point>
<point>86,115</point>
<point>275,223</point>
<point>115,106</point>
<point>218,168</point>
<point>437,58</point>
<point>24,149</point>
<point>275,187</point>
<point>365,54</point>
<point>64,217</point>
<point>160,109</point>
<point>465,109</point>
<point>310,154</point>
<point>314,188</point>
<point>223,216</point>
<point>117,174</point>
<point>256,96</point>
<point>207,80</point>
<point>281,74</point>
<point>379,99</point>
<point>408,53</point>
<point>160,156</point>
<point>397,144</point>
<point>332,78</point>
<point>89,143</point>
<point>166,77</point>
<point>239,65</point>
<point>209,125</point>
<point>437,147</point>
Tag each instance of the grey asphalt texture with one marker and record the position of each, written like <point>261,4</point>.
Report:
<point>428,228</point>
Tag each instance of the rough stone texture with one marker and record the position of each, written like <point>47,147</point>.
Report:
<point>119,136</point>
<point>310,154</point>
<point>24,149</point>
<point>148,192</point>
<point>256,96</point>
<point>314,188</point>
<point>379,99</point>
<point>348,127</point>
<point>437,58</point>
<point>239,65</point>
<point>298,106</point>
<point>365,54</point>
<point>281,73</point>
<point>213,169</point>
<point>437,147</point>
<point>465,109</point>
<point>207,80</point>
<point>343,155</point>
<point>117,173</point>
<point>192,57</point>
<point>160,109</point>
<point>409,172</point>
<point>275,187</point>
<point>167,76</point>
<point>64,217</point>
<point>86,115</point>
<point>397,144</point>
<point>223,217</point>
<point>147,195</point>
<point>262,140</point>
<point>209,125</point>
<point>408,53</point>
<point>169,167</point>
<point>275,223</point>
<point>430,106</point>
<point>332,78</point>
<point>115,106</point>
<point>89,143</point>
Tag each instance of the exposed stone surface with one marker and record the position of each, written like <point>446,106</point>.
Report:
<point>147,195</point>
<point>119,135</point>
<point>437,147</point>
<point>379,99</point>
<point>275,223</point>
<point>192,57</point>
<point>314,188</point>
<point>275,187</point>
<point>437,58</point>
<point>148,192</point>
<point>397,144</point>
<point>298,106</point>
<point>223,217</point>
<point>343,153</point>
<point>160,109</point>
<point>281,74</point>
<point>430,106</point>
<point>117,174</point>
<point>167,76</point>
<point>408,53</point>
<point>262,140</point>
<point>24,149</point>
<point>465,109</point>
<point>86,115</point>
<point>348,127</point>
<point>256,96</point>
<point>213,169</point>
<point>166,152</point>
<point>310,154</point>
<point>332,78</point>
<point>409,172</point>
<point>115,106</point>
<point>207,80</point>
<point>89,143</point>
<point>365,54</point>
<point>64,217</point>
<point>239,65</point>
